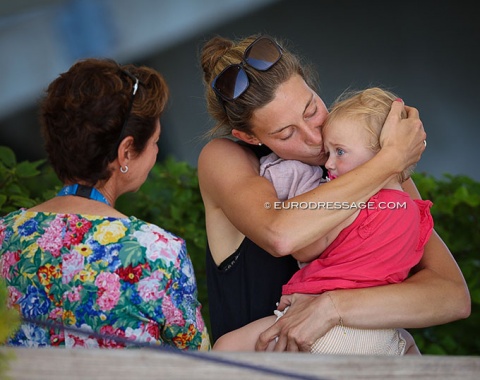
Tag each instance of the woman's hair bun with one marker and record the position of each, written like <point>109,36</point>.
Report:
<point>211,52</point>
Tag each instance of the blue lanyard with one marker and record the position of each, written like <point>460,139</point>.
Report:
<point>83,191</point>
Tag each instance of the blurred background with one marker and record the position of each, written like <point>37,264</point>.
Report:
<point>428,52</point>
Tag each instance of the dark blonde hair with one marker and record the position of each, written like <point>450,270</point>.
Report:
<point>218,53</point>
<point>370,107</point>
<point>84,110</point>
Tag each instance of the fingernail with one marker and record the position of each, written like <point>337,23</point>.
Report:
<point>399,100</point>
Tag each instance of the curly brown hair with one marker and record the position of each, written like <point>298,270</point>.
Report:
<point>85,108</point>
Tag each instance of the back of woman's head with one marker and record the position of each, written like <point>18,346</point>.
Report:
<point>371,108</point>
<point>84,112</point>
<point>217,54</point>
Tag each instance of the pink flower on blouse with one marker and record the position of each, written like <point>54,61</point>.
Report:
<point>108,290</point>
<point>111,343</point>
<point>173,315</point>
<point>6,262</point>
<point>72,264</point>
<point>158,243</point>
<point>56,313</point>
<point>13,296</point>
<point>149,288</point>
<point>2,232</point>
<point>74,294</point>
<point>51,240</point>
<point>141,334</point>
<point>107,280</point>
<point>200,322</point>
<point>73,340</point>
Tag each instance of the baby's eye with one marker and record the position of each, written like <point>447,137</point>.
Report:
<point>340,152</point>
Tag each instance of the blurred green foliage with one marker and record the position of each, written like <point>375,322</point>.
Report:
<point>9,323</point>
<point>171,199</point>
<point>456,213</point>
<point>24,184</point>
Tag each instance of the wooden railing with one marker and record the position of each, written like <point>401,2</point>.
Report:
<point>132,364</point>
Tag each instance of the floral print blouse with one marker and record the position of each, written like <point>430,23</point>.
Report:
<point>113,276</point>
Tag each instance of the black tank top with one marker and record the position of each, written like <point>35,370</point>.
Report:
<point>245,287</point>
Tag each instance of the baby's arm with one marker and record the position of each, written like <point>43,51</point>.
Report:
<point>244,338</point>
<point>315,249</point>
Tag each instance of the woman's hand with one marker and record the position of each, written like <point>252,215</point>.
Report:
<point>308,318</point>
<point>403,136</point>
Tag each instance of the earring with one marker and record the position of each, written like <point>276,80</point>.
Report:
<point>259,144</point>
<point>124,170</point>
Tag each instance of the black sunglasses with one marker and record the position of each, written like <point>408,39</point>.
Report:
<point>233,81</point>
<point>136,82</point>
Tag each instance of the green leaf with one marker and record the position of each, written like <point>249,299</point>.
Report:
<point>130,254</point>
<point>7,157</point>
<point>27,169</point>
<point>21,201</point>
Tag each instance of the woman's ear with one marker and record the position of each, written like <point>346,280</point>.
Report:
<point>125,150</point>
<point>246,137</point>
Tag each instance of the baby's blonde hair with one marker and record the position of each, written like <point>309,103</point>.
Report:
<point>371,107</point>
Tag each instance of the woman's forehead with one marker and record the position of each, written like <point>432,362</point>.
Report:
<point>289,103</point>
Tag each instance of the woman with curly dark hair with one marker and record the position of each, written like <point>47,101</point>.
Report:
<point>75,260</point>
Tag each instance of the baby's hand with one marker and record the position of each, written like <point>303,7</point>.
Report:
<point>285,301</point>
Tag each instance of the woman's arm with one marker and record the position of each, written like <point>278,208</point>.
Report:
<point>230,184</point>
<point>435,294</point>
<point>314,250</point>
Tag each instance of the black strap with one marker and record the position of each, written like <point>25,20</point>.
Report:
<point>84,191</point>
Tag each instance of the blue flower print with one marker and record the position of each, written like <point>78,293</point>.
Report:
<point>30,335</point>
<point>28,228</point>
<point>35,302</point>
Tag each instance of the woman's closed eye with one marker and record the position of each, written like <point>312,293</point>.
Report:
<point>311,111</point>
<point>285,134</point>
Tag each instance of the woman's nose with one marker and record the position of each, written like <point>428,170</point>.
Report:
<point>313,136</point>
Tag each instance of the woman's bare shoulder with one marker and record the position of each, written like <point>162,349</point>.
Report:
<point>220,145</point>
<point>227,153</point>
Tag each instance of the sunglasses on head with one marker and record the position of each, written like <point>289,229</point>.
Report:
<point>136,82</point>
<point>233,81</point>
